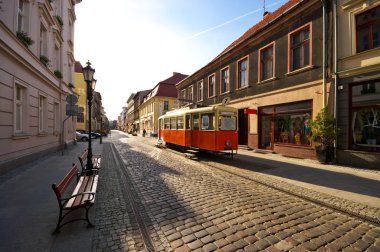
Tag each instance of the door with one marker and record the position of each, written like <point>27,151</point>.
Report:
<point>243,128</point>
<point>266,132</point>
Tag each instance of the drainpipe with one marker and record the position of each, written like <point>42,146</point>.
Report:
<point>335,74</point>
<point>324,53</point>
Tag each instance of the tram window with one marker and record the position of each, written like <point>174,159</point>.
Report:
<point>187,123</point>
<point>227,122</point>
<point>195,122</point>
<point>173,123</point>
<point>180,122</point>
<point>166,123</point>
<point>208,121</point>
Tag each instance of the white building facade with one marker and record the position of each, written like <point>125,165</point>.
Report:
<point>36,76</point>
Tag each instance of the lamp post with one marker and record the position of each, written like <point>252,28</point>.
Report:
<point>88,73</point>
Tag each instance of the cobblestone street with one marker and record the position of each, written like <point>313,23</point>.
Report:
<point>186,205</point>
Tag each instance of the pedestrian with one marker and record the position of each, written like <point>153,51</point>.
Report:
<point>144,132</point>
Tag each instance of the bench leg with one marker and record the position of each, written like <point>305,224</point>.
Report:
<point>60,218</point>
<point>88,219</point>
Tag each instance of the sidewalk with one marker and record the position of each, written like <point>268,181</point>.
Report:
<point>29,209</point>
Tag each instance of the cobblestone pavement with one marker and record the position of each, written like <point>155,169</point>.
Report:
<point>189,206</point>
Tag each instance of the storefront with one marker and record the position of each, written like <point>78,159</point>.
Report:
<point>359,119</point>
<point>365,116</point>
<point>284,128</point>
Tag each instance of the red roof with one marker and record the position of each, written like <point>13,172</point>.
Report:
<point>78,67</point>
<point>166,88</point>
<point>270,17</point>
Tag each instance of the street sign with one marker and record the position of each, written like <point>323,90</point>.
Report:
<point>250,111</point>
<point>71,110</point>
<point>72,99</point>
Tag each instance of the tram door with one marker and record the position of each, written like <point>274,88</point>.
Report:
<point>243,128</point>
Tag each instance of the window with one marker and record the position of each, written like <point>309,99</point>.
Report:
<point>227,121</point>
<point>190,94</point>
<point>195,121</point>
<point>166,105</point>
<point>42,114</point>
<point>208,121</point>
<point>56,117</point>
<point>183,97</point>
<point>368,30</point>
<point>225,81</point>
<point>266,62</point>
<point>57,58</point>
<point>300,48</point>
<point>365,116</point>
<point>290,124</point>
<point>166,123</point>
<point>188,122</point>
<point>20,109</point>
<point>20,15</point>
<point>43,41</point>
<point>211,85</point>
<point>180,122</point>
<point>200,91</point>
<point>173,123</point>
<point>242,73</point>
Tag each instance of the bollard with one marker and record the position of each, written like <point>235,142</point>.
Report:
<point>100,140</point>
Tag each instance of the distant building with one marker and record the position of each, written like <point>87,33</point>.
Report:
<point>36,77</point>
<point>161,98</point>
<point>81,90</point>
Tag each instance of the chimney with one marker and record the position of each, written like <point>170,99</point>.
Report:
<point>174,73</point>
<point>266,13</point>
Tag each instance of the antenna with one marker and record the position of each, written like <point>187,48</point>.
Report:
<point>264,8</point>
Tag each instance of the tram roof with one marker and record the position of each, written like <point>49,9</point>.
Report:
<point>183,111</point>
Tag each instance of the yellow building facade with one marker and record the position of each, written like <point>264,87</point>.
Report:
<point>81,90</point>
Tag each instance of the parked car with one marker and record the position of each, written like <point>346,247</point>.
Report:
<point>81,136</point>
<point>93,134</point>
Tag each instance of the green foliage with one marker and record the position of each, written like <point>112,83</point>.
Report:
<point>58,74</point>
<point>24,38</point>
<point>323,128</point>
<point>45,60</point>
<point>59,19</point>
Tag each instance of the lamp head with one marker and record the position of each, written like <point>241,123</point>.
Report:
<point>88,72</point>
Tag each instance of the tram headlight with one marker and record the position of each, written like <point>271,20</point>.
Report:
<point>228,143</point>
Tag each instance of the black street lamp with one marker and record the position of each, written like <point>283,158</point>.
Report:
<point>88,73</point>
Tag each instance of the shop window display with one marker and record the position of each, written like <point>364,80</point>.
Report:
<point>365,117</point>
<point>293,128</point>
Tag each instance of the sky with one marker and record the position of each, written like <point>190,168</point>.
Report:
<point>135,44</point>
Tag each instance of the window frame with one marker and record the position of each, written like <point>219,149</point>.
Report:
<point>261,61</point>
<point>369,28</point>
<point>22,103</point>
<point>211,76</point>
<point>42,114</point>
<point>223,78</point>
<point>238,76</point>
<point>290,47</point>
<point>190,94</point>
<point>200,90</point>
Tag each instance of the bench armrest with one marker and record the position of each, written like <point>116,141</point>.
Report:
<point>79,194</point>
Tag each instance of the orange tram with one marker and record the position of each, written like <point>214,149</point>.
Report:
<point>212,128</point>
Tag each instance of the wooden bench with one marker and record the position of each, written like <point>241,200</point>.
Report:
<point>95,161</point>
<point>83,195</point>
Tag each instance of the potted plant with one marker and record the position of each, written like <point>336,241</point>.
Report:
<point>324,132</point>
<point>24,38</point>
<point>58,74</point>
<point>45,60</point>
<point>59,20</point>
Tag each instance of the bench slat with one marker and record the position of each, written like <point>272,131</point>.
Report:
<point>85,184</point>
<point>62,186</point>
